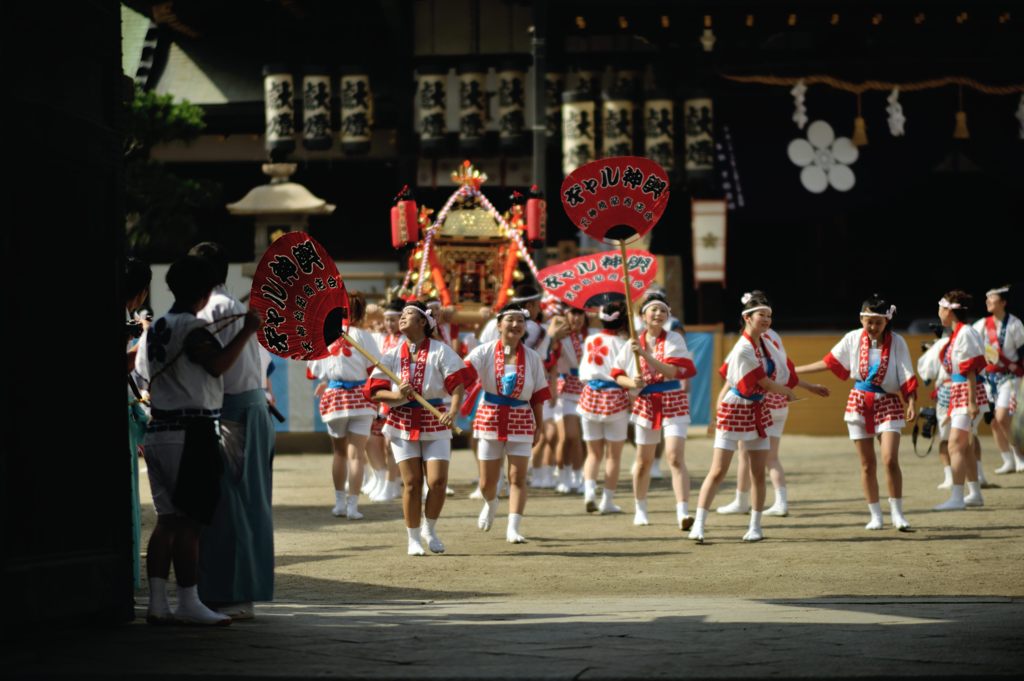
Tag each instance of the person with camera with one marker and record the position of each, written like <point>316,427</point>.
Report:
<point>932,421</point>
<point>878,360</point>
<point>1003,335</point>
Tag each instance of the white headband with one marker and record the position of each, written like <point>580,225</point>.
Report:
<point>950,306</point>
<point>426,313</point>
<point>887,315</point>
<point>756,309</point>
<point>609,317</point>
<point>392,313</point>
<point>521,311</point>
<point>525,299</point>
<point>655,302</point>
<point>997,291</point>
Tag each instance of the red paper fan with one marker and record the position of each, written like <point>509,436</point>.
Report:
<point>300,298</point>
<point>616,198</point>
<point>595,280</point>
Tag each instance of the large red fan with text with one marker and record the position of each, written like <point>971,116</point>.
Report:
<point>300,298</point>
<point>617,198</point>
<point>595,280</point>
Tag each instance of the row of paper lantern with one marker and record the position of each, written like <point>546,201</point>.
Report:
<point>282,126</point>
<point>591,124</point>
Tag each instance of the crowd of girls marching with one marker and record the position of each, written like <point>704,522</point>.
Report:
<point>549,399</point>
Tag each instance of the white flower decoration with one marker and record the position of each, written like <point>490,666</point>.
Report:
<point>825,159</point>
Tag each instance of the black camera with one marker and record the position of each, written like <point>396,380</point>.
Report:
<point>929,421</point>
<point>133,329</point>
<point>936,328</point>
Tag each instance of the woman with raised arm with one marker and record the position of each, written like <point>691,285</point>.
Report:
<point>509,416</point>
<point>750,371</point>
<point>421,442</point>
<point>662,407</point>
<point>878,361</point>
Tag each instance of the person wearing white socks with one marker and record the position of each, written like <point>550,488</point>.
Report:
<point>420,441</point>
<point>604,409</point>
<point>879,362</point>
<point>962,358</point>
<point>929,370</point>
<point>568,353</point>
<point>509,398</point>
<point>656,364</point>
<point>779,407</point>
<point>183,363</point>
<point>750,372</point>
<point>345,410</point>
<point>1003,335</point>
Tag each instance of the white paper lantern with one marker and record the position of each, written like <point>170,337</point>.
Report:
<point>356,111</point>
<point>279,110</point>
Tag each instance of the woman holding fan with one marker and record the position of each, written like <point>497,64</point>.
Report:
<point>421,442</point>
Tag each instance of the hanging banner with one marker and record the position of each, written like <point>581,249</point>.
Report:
<point>659,131</point>
<point>579,143</point>
<point>616,198</point>
<point>709,231</point>
<point>356,111</point>
<point>316,109</point>
<point>595,280</point>
<point>299,297</point>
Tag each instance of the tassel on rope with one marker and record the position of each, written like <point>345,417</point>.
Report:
<point>860,132</point>
<point>960,132</point>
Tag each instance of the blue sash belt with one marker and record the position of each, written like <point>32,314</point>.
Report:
<point>868,387</point>
<point>959,378</point>
<point>663,387</point>
<point>572,372</point>
<point>345,385</point>
<point>599,384</point>
<point>504,400</point>
<point>752,398</point>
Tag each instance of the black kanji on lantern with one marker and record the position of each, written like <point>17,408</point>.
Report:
<point>316,96</point>
<point>354,93</point>
<point>698,121</point>
<point>307,257</point>
<point>281,94</point>
<point>282,125</point>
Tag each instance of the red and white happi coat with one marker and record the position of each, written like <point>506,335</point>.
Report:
<point>433,370</point>
<point>570,351</point>
<point>852,358</point>
<point>1002,346</point>
<point>746,416</point>
<point>345,364</point>
<point>506,422</point>
<point>964,352</point>
<point>653,410</point>
<point>785,373</point>
<point>599,353</point>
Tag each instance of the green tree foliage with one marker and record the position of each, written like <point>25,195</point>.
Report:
<point>161,205</point>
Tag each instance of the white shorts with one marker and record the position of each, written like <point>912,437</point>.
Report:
<point>1004,396</point>
<point>778,423</point>
<point>566,407</point>
<point>723,441</point>
<point>493,450</point>
<point>163,452</point>
<point>549,411</point>
<point>613,430</point>
<point>357,425</point>
<point>428,450</point>
<point>963,422</point>
<point>648,436</point>
<point>859,432</point>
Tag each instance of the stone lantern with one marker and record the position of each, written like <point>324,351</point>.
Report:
<point>278,205</point>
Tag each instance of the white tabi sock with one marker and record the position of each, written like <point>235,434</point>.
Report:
<point>428,530</point>
<point>955,501</point>
<point>590,488</point>
<point>512,534</point>
<point>974,497</point>
<point>340,503</point>
<point>159,608</point>
<point>640,516</point>
<point>896,511</point>
<point>415,547</point>
<point>754,532</point>
<point>1009,465</point>
<point>981,474</point>
<point>741,504</point>
<point>781,505</point>
<point>1018,458</point>
<point>876,522</point>
<point>682,510</point>
<point>947,477</point>
<point>192,611</point>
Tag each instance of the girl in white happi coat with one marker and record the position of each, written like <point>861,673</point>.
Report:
<point>963,359</point>
<point>419,440</point>
<point>778,405</point>
<point>1003,335</point>
<point>345,409</point>
<point>878,360</point>
<point>662,405</point>
<point>509,415</point>
<point>751,372</point>
<point>603,408</point>
<point>569,453</point>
